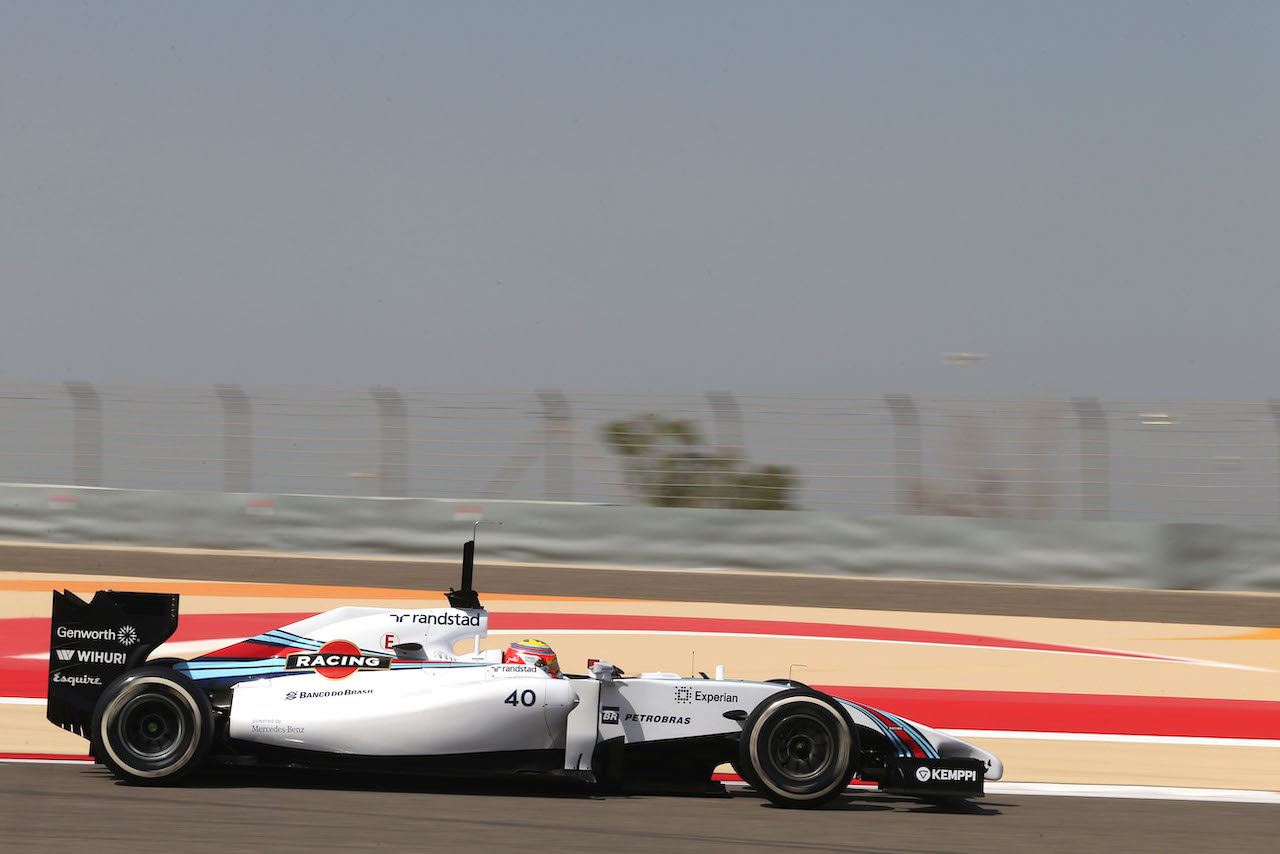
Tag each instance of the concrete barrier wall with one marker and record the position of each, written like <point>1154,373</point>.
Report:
<point>1179,556</point>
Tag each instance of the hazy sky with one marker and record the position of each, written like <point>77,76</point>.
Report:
<point>767,197</point>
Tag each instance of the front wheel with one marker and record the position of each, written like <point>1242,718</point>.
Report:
<point>152,726</point>
<point>797,749</point>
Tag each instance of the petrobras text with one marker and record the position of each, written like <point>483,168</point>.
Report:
<point>657,719</point>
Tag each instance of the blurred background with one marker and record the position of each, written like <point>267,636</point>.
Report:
<point>982,258</point>
<point>1079,458</point>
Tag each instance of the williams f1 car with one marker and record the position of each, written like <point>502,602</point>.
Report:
<point>372,689</point>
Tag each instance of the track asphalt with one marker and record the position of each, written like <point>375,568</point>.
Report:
<point>80,808</point>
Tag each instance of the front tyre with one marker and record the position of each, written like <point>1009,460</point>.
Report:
<point>152,726</point>
<point>797,749</point>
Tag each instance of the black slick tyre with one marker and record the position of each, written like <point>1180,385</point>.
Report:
<point>152,727</point>
<point>798,748</point>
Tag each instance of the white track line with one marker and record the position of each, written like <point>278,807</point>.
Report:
<point>1159,793</point>
<point>1116,738</point>
<point>1085,651</point>
<point>1074,790</point>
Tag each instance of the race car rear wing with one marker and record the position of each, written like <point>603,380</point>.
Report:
<point>91,643</point>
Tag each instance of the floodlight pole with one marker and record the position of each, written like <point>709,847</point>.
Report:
<point>1095,459</point>
<point>557,438</point>
<point>1274,406</point>
<point>726,415</point>
<point>907,454</point>
<point>393,441</point>
<point>237,439</point>
<point>86,458</point>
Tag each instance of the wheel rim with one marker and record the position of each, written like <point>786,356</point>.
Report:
<point>800,749</point>
<point>152,729</point>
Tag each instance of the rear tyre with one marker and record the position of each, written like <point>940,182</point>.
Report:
<point>152,727</point>
<point>797,749</point>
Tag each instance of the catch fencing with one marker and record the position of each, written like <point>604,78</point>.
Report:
<point>1075,459</point>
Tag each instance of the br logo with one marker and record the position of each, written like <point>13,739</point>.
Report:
<point>337,659</point>
<point>922,774</point>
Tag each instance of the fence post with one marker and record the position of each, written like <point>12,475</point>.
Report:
<point>1274,405</point>
<point>557,436</point>
<point>237,439</point>
<point>726,416</point>
<point>86,457</point>
<point>393,442</point>
<point>1095,459</point>
<point>907,455</point>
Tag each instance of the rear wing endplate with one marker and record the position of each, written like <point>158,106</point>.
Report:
<point>91,643</point>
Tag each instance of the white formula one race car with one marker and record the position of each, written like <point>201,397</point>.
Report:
<point>367,689</point>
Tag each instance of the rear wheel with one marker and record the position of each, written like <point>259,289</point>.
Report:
<point>153,726</point>
<point>797,749</point>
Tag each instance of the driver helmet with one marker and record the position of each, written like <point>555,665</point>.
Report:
<point>535,652</point>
